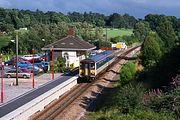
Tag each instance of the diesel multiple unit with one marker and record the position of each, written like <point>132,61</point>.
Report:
<point>91,67</point>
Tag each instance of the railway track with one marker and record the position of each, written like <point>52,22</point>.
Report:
<point>54,109</point>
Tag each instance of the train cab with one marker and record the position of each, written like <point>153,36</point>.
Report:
<point>87,69</point>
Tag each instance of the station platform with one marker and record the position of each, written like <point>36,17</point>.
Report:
<point>16,96</point>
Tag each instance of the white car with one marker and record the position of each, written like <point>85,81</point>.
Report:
<point>29,57</point>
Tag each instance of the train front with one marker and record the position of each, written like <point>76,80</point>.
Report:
<point>87,69</point>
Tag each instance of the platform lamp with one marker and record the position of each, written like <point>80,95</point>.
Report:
<point>2,82</point>
<point>17,32</point>
<point>52,63</point>
<point>45,50</point>
<point>33,83</point>
<point>33,67</point>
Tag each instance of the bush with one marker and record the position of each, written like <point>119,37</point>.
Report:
<point>169,102</point>
<point>60,65</point>
<point>129,97</point>
<point>128,72</point>
<point>136,114</point>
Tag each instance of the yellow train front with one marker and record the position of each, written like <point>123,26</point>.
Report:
<point>90,67</point>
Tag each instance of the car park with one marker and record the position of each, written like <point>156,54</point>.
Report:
<point>12,73</point>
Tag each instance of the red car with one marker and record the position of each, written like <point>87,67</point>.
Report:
<point>25,70</point>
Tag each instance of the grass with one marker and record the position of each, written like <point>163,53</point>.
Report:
<point>117,32</point>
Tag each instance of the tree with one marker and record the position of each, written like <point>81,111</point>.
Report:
<point>141,30</point>
<point>151,52</point>
<point>4,41</point>
<point>166,33</point>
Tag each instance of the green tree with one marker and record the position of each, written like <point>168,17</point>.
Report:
<point>151,52</point>
<point>4,40</point>
<point>166,33</point>
<point>141,30</point>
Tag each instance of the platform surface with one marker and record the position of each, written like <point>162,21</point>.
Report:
<point>16,96</point>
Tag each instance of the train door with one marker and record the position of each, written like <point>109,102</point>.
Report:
<point>82,69</point>
<point>87,69</point>
<point>92,69</point>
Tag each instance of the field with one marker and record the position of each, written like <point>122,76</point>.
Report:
<point>117,32</point>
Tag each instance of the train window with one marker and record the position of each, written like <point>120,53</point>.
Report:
<point>86,65</point>
<point>81,65</point>
<point>92,65</point>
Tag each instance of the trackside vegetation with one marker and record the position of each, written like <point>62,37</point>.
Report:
<point>152,93</point>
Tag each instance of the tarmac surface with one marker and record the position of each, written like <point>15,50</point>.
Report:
<point>11,91</point>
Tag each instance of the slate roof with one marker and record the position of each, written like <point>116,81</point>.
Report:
<point>70,43</point>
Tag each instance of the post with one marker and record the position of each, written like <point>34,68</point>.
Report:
<point>2,85</point>
<point>106,40</point>
<point>2,82</point>
<point>16,58</point>
<point>52,63</point>
<point>33,69</point>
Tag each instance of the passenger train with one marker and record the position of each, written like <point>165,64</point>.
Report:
<point>90,67</point>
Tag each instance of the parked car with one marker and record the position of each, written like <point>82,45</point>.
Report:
<point>7,68</point>
<point>25,70</point>
<point>13,61</point>
<point>24,64</point>
<point>12,73</point>
<point>36,69</point>
<point>44,65</point>
<point>93,53</point>
<point>44,58</point>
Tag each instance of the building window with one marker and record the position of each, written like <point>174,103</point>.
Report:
<point>66,56</point>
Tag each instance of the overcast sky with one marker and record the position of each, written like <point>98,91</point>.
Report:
<point>137,8</point>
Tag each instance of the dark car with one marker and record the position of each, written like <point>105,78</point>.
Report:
<point>13,61</point>
<point>24,64</point>
<point>44,65</point>
<point>36,69</point>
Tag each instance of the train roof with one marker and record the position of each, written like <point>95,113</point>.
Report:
<point>100,56</point>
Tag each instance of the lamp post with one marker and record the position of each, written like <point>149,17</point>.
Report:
<point>16,57</point>
<point>33,68</point>
<point>2,82</point>
<point>52,63</point>
<point>44,45</point>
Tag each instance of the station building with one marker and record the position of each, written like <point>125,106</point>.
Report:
<point>71,48</point>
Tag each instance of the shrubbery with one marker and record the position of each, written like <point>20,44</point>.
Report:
<point>128,72</point>
<point>136,114</point>
<point>126,103</point>
<point>59,65</point>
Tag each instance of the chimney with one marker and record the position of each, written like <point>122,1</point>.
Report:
<point>71,32</point>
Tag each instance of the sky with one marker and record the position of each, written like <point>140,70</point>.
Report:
<point>137,8</point>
